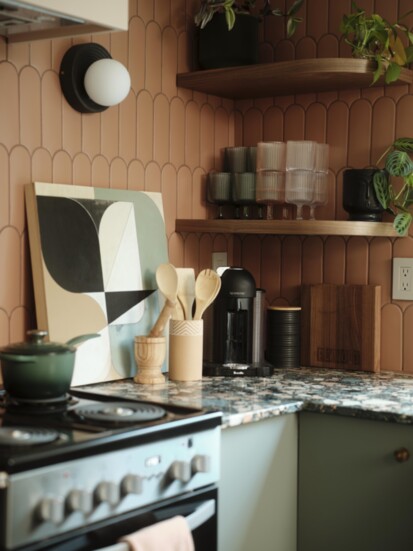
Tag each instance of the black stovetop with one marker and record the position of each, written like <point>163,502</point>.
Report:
<point>37,434</point>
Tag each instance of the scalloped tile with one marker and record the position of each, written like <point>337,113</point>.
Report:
<point>164,138</point>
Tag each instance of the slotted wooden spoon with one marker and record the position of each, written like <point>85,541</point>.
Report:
<point>207,286</point>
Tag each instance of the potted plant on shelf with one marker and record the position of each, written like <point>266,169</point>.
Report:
<point>398,164</point>
<point>228,30</point>
<point>373,38</point>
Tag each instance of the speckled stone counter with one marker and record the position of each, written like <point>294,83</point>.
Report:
<point>385,396</point>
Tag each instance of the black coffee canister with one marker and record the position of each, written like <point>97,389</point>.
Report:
<point>283,336</point>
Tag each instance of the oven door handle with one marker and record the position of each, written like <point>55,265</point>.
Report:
<point>203,512</point>
<point>201,515</point>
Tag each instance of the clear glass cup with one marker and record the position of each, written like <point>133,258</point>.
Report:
<point>299,189</point>
<point>322,157</point>
<point>300,155</point>
<point>219,190</point>
<point>270,190</point>
<point>271,156</point>
<point>320,192</point>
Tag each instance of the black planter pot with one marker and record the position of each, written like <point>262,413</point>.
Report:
<point>359,197</point>
<point>219,47</point>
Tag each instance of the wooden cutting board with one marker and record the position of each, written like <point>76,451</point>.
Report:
<point>340,326</point>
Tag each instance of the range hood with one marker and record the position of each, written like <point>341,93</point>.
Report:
<point>36,19</point>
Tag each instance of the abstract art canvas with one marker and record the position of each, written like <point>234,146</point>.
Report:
<point>94,254</point>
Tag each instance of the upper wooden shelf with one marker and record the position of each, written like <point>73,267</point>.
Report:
<point>286,77</point>
<point>288,227</point>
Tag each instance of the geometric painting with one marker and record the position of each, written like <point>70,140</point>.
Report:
<point>94,254</point>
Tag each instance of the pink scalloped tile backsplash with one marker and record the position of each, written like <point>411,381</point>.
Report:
<point>166,139</point>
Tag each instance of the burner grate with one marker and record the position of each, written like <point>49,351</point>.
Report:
<point>40,402</point>
<point>36,407</point>
<point>26,436</point>
<point>120,412</point>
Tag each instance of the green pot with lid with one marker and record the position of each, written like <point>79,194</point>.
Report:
<point>38,369</point>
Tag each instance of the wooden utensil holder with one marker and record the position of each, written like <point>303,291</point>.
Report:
<point>185,350</point>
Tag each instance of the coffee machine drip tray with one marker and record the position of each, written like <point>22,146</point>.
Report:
<point>236,370</point>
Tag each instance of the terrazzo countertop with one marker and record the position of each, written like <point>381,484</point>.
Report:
<point>385,396</point>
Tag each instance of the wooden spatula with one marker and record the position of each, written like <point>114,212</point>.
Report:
<point>186,290</point>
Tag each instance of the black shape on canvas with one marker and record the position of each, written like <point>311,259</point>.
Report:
<point>70,244</point>
<point>119,302</point>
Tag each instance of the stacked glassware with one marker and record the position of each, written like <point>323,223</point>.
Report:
<point>320,194</point>
<point>270,188</point>
<point>219,190</point>
<point>306,175</point>
<point>236,185</point>
<point>241,164</point>
<point>272,173</point>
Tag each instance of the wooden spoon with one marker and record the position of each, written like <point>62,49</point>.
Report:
<point>167,281</point>
<point>207,286</point>
<point>186,290</point>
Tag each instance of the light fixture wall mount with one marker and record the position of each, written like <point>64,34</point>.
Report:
<point>91,80</point>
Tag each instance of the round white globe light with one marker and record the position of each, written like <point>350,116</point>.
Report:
<point>107,82</point>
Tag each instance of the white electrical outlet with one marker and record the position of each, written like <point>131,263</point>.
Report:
<point>219,260</point>
<point>402,279</point>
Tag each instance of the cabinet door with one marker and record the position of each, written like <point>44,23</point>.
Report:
<point>353,492</point>
<point>257,508</point>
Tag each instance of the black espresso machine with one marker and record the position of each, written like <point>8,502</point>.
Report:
<point>234,324</point>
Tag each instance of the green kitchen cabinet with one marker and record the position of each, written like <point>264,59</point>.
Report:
<point>258,486</point>
<point>355,484</point>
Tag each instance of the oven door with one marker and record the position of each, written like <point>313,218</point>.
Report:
<point>200,509</point>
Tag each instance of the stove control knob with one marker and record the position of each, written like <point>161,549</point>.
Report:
<point>201,464</point>
<point>180,470</point>
<point>51,509</point>
<point>107,492</point>
<point>80,500</point>
<point>131,484</point>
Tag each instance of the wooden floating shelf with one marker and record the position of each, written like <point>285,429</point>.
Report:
<point>300,76</point>
<point>288,227</point>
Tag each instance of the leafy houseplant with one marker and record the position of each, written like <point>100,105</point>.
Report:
<point>228,30</point>
<point>398,163</point>
<point>231,8</point>
<point>374,38</point>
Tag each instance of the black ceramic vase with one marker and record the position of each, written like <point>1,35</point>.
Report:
<point>219,47</point>
<point>359,197</point>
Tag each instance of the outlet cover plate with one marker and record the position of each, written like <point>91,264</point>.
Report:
<point>219,260</point>
<point>402,288</point>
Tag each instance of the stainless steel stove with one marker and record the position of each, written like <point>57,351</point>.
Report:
<point>80,472</point>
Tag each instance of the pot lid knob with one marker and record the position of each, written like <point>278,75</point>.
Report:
<point>37,336</point>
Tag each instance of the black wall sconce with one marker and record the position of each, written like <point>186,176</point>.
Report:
<point>91,80</point>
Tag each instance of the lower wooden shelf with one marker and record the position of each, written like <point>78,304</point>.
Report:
<point>288,227</point>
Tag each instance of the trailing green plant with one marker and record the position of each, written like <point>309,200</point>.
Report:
<point>231,8</point>
<point>372,37</point>
<point>398,163</point>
